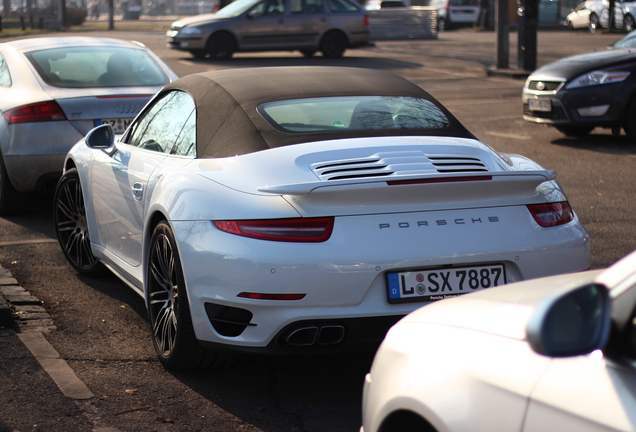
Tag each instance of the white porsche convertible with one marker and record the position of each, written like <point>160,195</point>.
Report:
<point>297,209</point>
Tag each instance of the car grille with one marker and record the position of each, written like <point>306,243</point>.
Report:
<point>546,86</point>
<point>399,163</point>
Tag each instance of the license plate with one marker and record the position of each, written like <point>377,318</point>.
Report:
<point>543,105</point>
<point>119,125</point>
<point>185,44</point>
<point>441,283</point>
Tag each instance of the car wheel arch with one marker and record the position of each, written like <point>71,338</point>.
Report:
<point>224,32</point>
<point>335,31</point>
<point>404,420</point>
<point>69,164</point>
<point>156,217</point>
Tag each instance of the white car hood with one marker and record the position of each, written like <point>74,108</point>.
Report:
<point>502,311</point>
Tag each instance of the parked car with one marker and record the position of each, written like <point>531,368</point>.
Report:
<point>548,354</point>
<point>594,15</point>
<point>260,209</point>
<point>449,12</point>
<point>329,26</point>
<point>577,94</point>
<point>54,90</point>
<point>131,9</point>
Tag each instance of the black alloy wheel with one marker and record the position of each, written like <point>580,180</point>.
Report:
<point>575,131</point>
<point>221,46</point>
<point>630,121</point>
<point>8,199</point>
<point>171,324</point>
<point>594,24</point>
<point>70,224</point>
<point>308,53</point>
<point>630,24</point>
<point>199,54</point>
<point>333,45</point>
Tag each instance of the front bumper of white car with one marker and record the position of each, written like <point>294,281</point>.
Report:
<point>344,279</point>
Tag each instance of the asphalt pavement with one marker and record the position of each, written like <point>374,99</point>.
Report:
<point>102,329</point>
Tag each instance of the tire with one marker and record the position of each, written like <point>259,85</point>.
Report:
<point>221,46</point>
<point>308,53</point>
<point>199,54</point>
<point>441,25</point>
<point>69,216</point>
<point>333,45</point>
<point>8,195</point>
<point>630,121</point>
<point>168,307</point>
<point>575,131</point>
<point>629,23</point>
<point>595,24</point>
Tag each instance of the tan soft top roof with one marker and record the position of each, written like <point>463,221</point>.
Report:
<point>227,101</point>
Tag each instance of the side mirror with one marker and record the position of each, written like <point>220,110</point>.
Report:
<point>571,324</point>
<point>101,137</point>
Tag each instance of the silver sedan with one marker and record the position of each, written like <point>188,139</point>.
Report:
<point>54,90</point>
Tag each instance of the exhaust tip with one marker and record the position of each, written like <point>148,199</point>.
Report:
<point>331,334</point>
<point>303,336</point>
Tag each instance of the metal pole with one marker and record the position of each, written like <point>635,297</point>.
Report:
<point>111,15</point>
<point>503,32</point>
<point>527,41</point>
<point>612,16</point>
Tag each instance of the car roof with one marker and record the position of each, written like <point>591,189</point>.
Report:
<point>227,102</point>
<point>30,44</point>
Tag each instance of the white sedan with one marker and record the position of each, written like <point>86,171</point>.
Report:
<point>298,209</point>
<point>551,354</point>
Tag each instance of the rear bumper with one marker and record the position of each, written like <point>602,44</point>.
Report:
<point>35,151</point>
<point>345,277</point>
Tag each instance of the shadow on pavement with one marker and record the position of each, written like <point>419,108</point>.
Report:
<point>288,393</point>
<point>257,61</point>
<point>35,215</point>
<point>600,143</point>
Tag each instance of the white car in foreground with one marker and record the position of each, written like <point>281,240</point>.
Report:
<point>291,209</point>
<point>551,354</point>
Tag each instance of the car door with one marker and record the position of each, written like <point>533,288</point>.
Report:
<point>121,180</point>
<point>305,22</point>
<point>263,26</point>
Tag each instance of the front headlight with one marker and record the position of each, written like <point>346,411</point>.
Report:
<point>598,77</point>
<point>189,31</point>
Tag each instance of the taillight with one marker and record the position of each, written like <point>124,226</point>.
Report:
<point>365,21</point>
<point>36,112</point>
<point>552,214</point>
<point>301,230</point>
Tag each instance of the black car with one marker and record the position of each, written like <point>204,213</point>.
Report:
<point>577,94</point>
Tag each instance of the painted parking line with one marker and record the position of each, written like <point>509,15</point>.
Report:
<point>509,135</point>
<point>55,366</point>
<point>27,242</point>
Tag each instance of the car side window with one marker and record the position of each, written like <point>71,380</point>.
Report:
<point>5,77</point>
<point>187,140</point>
<point>306,6</point>
<point>341,6</point>
<point>268,7</point>
<point>158,129</point>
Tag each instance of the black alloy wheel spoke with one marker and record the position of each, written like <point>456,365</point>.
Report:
<point>71,224</point>
<point>163,289</point>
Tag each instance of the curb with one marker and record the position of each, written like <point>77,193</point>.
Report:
<point>19,309</point>
<point>518,74</point>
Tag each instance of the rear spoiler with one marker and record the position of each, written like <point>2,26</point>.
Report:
<point>530,177</point>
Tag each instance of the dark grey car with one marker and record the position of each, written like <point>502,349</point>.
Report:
<point>329,26</point>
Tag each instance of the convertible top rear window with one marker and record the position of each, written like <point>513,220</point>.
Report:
<point>342,113</point>
<point>89,67</point>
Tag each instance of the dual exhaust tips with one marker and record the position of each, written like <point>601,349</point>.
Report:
<point>316,335</point>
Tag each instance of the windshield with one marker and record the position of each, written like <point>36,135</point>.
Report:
<point>354,113</point>
<point>628,41</point>
<point>88,67</point>
<point>236,8</point>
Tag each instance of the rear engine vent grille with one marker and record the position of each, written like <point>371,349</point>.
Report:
<point>459,164</point>
<point>399,163</point>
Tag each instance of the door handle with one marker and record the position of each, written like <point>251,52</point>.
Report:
<point>138,191</point>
